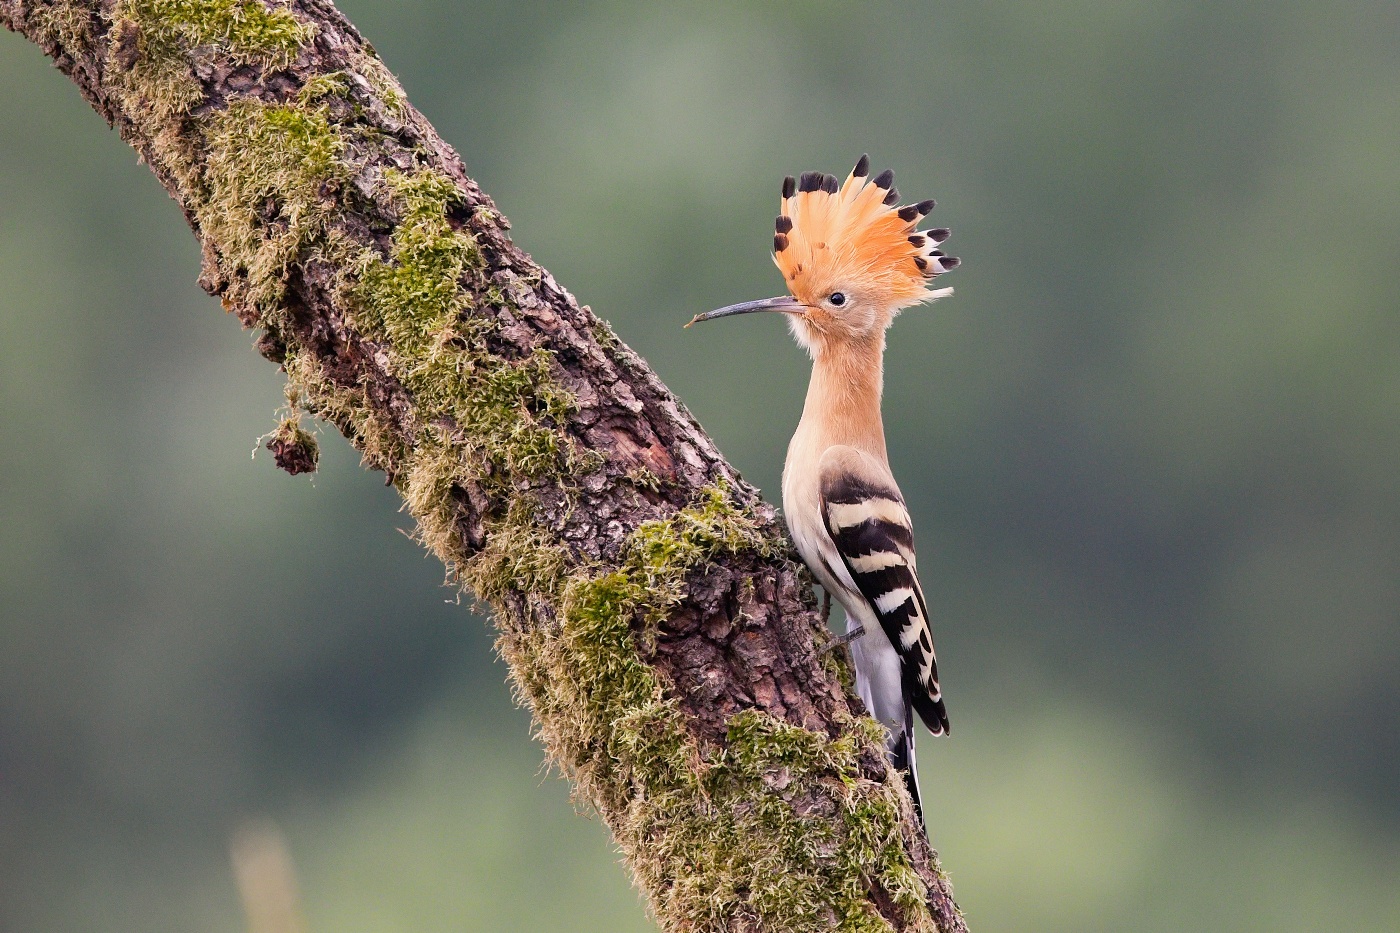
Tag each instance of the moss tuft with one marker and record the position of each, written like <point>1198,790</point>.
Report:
<point>416,295</point>
<point>62,23</point>
<point>347,408</point>
<point>603,333</point>
<point>382,81</point>
<point>151,61</point>
<point>508,410</point>
<point>642,478</point>
<point>294,448</point>
<point>610,688</point>
<point>332,84</point>
<point>663,551</point>
<point>430,483</point>
<point>247,30</point>
<point>519,557</point>
<point>268,175</point>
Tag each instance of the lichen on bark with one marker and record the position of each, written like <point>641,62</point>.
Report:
<point>653,615</point>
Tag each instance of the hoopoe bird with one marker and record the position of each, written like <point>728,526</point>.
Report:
<point>853,259</point>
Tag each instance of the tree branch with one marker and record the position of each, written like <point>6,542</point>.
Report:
<point>651,610</point>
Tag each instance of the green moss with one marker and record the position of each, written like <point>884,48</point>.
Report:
<point>62,23</point>
<point>429,480</point>
<point>604,335</point>
<point>246,29</point>
<point>799,864</point>
<point>267,174</point>
<point>643,478</point>
<point>332,84</point>
<point>508,410</point>
<point>520,557</point>
<point>662,551</point>
<point>610,688</point>
<point>150,63</point>
<point>159,86</point>
<point>717,832</point>
<point>349,409</point>
<point>382,81</point>
<point>602,709</point>
<point>415,297</point>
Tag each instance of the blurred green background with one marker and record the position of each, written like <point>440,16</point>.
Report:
<point>1151,448</point>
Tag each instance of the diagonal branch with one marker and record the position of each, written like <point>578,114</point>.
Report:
<point>648,603</point>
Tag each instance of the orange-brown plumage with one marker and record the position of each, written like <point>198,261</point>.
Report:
<point>855,239</point>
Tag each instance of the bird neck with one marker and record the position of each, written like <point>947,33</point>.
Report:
<point>843,398</point>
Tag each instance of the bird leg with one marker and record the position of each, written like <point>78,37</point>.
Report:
<point>840,641</point>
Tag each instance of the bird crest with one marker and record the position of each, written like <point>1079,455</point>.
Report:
<point>855,238</point>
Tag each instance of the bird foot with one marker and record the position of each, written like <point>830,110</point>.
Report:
<point>841,641</point>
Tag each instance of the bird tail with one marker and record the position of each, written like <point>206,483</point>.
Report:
<point>901,750</point>
<point>931,711</point>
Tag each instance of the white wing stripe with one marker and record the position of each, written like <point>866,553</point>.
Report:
<point>896,597</point>
<point>849,514</point>
<point>880,560</point>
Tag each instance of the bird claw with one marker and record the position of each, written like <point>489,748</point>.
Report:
<point>841,641</point>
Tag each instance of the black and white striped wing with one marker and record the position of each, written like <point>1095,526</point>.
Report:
<point>870,527</point>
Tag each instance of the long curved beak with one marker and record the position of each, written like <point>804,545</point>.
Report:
<point>784,303</point>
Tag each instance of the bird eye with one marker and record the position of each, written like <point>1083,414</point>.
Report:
<point>837,299</point>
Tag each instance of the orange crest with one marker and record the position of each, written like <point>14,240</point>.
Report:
<point>854,239</point>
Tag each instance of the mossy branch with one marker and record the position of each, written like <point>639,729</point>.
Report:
<point>649,606</point>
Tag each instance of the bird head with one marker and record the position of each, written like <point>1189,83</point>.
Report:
<point>851,256</point>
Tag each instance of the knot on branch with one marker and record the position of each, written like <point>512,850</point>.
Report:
<point>294,448</point>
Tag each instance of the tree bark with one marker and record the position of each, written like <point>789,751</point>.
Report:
<point>654,617</point>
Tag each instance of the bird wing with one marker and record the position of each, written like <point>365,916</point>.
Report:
<point>868,522</point>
